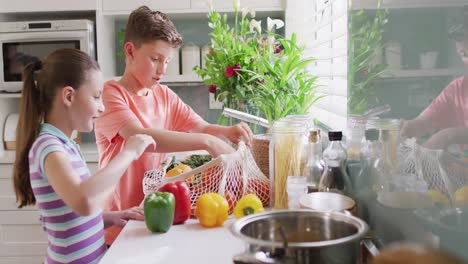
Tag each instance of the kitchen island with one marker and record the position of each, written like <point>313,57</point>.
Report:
<point>187,243</point>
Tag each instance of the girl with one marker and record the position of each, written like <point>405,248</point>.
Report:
<point>49,169</point>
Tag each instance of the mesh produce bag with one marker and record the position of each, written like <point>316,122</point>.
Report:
<point>230,175</point>
<point>439,169</point>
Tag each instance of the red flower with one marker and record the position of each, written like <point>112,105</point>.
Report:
<point>230,70</point>
<point>278,50</point>
<point>236,68</point>
<point>212,88</point>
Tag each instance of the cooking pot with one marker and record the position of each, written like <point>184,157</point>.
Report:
<point>450,225</point>
<point>299,236</point>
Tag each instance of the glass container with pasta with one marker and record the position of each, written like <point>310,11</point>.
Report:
<point>287,153</point>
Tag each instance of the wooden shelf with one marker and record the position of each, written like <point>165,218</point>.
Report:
<point>185,80</point>
<point>422,73</point>
<point>372,4</point>
<point>10,95</point>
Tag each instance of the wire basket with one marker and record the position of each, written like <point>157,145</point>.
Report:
<point>230,175</point>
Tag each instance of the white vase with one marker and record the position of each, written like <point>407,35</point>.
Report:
<point>190,59</point>
<point>428,60</point>
<point>393,55</point>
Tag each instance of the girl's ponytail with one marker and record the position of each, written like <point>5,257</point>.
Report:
<point>29,124</point>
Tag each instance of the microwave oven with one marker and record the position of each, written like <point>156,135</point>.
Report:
<point>25,42</point>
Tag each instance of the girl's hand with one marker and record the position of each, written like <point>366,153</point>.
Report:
<point>120,218</point>
<point>239,132</point>
<point>137,144</point>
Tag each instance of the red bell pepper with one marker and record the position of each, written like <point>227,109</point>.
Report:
<point>181,192</point>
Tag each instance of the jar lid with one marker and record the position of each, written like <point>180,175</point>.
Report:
<point>335,135</point>
<point>384,123</point>
<point>372,134</point>
<point>282,126</point>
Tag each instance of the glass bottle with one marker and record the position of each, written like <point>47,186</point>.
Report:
<point>393,137</point>
<point>355,136</point>
<point>368,181</point>
<point>314,165</point>
<point>385,161</point>
<point>334,177</point>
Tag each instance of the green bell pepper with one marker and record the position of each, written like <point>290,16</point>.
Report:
<point>159,211</point>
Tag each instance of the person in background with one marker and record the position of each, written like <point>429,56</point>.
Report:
<point>139,104</point>
<point>448,112</point>
<point>49,169</point>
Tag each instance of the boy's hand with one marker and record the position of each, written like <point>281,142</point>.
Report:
<point>140,143</point>
<point>413,128</point>
<point>120,218</point>
<point>217,147</point>
<point>442,139</point>
<point>239,132</point>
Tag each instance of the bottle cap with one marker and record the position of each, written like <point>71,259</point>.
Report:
<point>372,134</point>
<point>313,136</point>
<point>335,135</point>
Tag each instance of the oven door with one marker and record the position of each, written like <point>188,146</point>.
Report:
<point>19,49</point>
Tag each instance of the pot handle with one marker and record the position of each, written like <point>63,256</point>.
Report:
<point>254,258</point>
<point>370,246</point>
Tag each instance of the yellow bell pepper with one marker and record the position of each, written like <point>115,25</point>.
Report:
<point>249,204</point>
<point>212,210</point>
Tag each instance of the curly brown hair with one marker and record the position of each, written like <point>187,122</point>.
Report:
<point>145,25</point>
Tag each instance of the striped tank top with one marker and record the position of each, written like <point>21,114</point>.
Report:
<point>71,238</point>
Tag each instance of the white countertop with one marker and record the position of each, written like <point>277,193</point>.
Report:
<point>187,243</point>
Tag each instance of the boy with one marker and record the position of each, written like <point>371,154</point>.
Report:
<point>139,104</point>
<point>448,113</point>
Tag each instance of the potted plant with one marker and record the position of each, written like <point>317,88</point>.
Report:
<point>249,64</point>
<point>233,53</point>
<point>284,86</point>
<point>364,47</point>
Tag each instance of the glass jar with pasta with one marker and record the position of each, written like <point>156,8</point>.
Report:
<point>286,155</point>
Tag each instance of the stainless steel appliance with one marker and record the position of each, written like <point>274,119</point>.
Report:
<point>25,42</point>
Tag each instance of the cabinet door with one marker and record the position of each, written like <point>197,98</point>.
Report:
<point>163,5</point>
<point>8,6</point>
<point>228,4</point>
<point>21,235</point>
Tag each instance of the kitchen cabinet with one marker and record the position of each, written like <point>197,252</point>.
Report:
<point>128,6</point>
<point>372,4</point>
<point>227,5</point>
<point>415,31</point>
<point>27,6</point>
<point>22,238</point>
